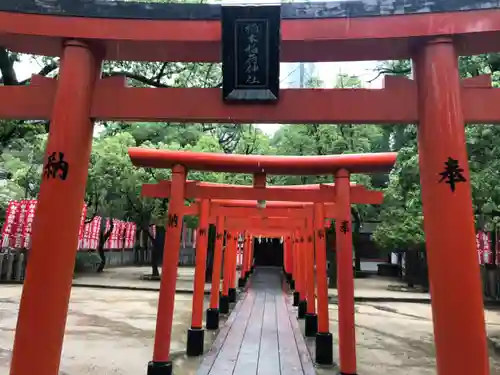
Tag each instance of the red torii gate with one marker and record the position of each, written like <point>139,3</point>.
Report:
<point>198,190</point>
<point>223,192</point>
<point>248,209</point>
<point>339,165</point>
<point>437,99</point>
<point>269,218</point>
<point>221,207</point>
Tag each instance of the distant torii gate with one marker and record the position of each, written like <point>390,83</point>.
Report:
<point>432,34</point>
<point>244,219</point>
<point>268,218</point>
<point>260,166</point>
<point>324,193</point>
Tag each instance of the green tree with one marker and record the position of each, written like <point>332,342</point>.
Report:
<point>401,215</point>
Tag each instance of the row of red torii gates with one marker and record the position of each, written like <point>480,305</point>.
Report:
<point>303,226</point>
<point>436,99</point>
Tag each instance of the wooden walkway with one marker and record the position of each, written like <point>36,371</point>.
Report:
<point>261,336</point>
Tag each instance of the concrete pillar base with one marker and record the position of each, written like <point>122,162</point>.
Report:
<point>212,319</point>
<point>301,314</point>
<point>311,324</point>
<point>160,368</point>
<point>195,341</point>
<point>224,304</point>
<point>324,348</point>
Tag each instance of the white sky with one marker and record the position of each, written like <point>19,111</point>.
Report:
<point>327,72</point>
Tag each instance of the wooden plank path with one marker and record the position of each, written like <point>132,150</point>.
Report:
<point>261,336</point>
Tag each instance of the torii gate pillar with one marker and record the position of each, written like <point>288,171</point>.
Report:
<point>196,334</point>
<point>232,293</point>
<point>345,277</point>
<point>449,220</point>
<point>324,339</point>
<point>162,363</point>
<point>44,301</point>
<point>288,244</point>
<point>311,318</point>
<point>212,314</point>
<point>243,272</point>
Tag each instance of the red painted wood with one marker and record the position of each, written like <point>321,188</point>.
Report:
<point>340,39</point>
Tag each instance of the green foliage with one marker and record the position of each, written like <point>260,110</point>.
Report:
<point>401,216</point>
<point>401,219</point>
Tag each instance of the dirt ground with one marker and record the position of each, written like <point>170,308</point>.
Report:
<point>397,338</point>
<point>110,332</point>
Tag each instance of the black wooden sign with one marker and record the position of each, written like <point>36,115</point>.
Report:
<point>251,53</point>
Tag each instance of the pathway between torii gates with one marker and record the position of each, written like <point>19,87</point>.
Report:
<point>261,336</point>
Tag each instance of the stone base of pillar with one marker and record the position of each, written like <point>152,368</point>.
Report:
<point>232,295</point>
<point>160,368</point>
<point>292,284</point>
<point>301,314</point>
<point>296,298</point>
<point>212,319</point>
<point>241,282</point>
<point>224,304</point>
<point>195,341</point>
<point>311,325</point>
<point>324,348</point>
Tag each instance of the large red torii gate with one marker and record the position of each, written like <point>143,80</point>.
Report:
<point>437,99</point>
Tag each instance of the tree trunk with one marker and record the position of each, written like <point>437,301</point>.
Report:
<point>331,257</point>
<point>357,261</point>
<point>102,255</point>
<point>157,250</point>
<point>411,264</point>
<point>210,253</point>
<point>103,237</point>
<point>355,240</point>
<point>155,272</point>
